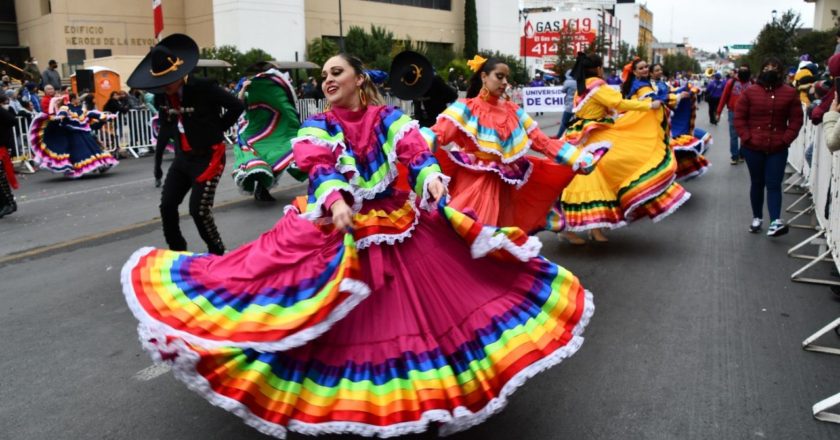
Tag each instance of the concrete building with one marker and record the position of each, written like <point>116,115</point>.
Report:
<point>825,14</point>
<point>636,24</point>
<point>71,31</point>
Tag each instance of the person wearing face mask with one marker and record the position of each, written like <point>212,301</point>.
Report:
<point>7,171</point>
<point>714,91</point>
<point>768,117</point>
<point>636,178</point>
<point>191,113</point>
<point>729,99</point>
<point>366,309</point>
<point>489,141</point>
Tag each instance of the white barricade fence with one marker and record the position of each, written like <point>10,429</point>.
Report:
<point>817,170</point>
<point>131,132</point>
<point>19,150</point>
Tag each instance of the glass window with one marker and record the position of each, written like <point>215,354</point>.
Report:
<point>445,5</point>
<point>99,53</point>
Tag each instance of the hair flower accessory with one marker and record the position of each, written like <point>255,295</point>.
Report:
<point>476,63</point>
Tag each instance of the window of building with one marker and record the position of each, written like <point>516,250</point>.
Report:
<point>99,53</point>
<point>445,5</point>
<point>46,7</point>
<point>75,56</point>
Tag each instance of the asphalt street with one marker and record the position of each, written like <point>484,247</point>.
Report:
<point>697,330</point>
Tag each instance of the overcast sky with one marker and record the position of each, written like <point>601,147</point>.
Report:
<point>710,24</point>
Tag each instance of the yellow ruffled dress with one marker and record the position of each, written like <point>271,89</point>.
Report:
<point>635,179</point>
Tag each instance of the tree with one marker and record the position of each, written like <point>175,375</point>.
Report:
<point>819,45</point>
<point>622,57</point>
<point>470,29</point>
<point>373,49</point>
<point>320,50</point>
<point>680,62</point>
<point>777,39</point>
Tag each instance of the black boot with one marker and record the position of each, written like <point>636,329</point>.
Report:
<point>7,199</point>
<point>261,193</point>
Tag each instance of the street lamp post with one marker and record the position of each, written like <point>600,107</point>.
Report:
<point>340,28</point>
<point>774,16</point>
<point>523,15</point>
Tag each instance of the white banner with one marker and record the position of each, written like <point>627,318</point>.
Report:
<point>543,99</point>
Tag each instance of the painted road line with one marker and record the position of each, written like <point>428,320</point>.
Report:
<point>152,372</point>
<point>112,232</point>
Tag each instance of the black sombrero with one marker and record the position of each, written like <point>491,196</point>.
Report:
<point>170,60</point>
<point>411,75</point>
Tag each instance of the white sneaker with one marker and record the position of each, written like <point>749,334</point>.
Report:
<point>777,228</point>
<point>755,226</point>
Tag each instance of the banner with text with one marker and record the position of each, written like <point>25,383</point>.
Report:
<point>543,99</point>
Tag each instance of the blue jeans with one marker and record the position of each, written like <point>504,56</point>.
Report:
<point>734,151</point>
<point>766,171</point>
<point>564,123</point>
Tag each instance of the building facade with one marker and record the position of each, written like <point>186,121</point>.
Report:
<point>636,24</point>
<point>71,31</point>
<point>825,14</point>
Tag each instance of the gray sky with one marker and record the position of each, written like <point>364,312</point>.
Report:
<point>710,24</point>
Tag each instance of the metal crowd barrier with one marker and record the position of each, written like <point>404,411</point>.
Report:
<point>816,171</point>
<point>131,132</point>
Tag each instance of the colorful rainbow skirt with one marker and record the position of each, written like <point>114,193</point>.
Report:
<point>300,331</point>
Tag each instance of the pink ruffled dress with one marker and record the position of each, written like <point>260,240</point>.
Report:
<point>420,315</point>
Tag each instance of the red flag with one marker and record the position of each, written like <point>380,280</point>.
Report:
<point>157,11</point>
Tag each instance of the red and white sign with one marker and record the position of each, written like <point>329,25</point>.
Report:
<point>542,38</point>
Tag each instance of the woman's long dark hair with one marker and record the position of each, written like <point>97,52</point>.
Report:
<point>368,87</point>
<point>475,80</point>
<point>586,66</point>
<point>627,85</point>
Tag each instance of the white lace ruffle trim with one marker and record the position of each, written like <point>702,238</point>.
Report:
<point>358,291</point>
<point>519,183</point>
<point>471,137</point>
<point>460,419</point>
<point>488,241</point>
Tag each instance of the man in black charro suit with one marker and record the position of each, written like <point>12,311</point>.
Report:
<point>191,114</point>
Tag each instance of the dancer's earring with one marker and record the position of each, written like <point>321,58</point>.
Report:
<point>484,93</point>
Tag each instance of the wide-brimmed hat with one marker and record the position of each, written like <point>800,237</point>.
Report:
<point>411,75</point>
<point>168,61</point>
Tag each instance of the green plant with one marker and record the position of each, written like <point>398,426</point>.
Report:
<point>470,29</point>
<point>319,50</point>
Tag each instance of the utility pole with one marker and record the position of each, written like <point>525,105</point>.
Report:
<point>340,28</point>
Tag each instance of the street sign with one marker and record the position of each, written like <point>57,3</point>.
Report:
<point>741,46</point>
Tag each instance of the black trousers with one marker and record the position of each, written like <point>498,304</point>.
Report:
<point>6,196</point>
<point>713,104</point>
<point>181,179</point>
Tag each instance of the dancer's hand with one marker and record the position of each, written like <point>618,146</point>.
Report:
<point>437,189</point>
<point>585,163</point>
<point>342,215</point>
<point>684,95</point>
<point>158,183</point>
<point>655,105</point>
<point>835,105</point>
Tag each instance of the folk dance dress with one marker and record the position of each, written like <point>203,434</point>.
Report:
<point>268,125</point>
<point>483,144</point>
<point>688,142</point>
<point>380,331</point>
<point>635,179</point>
<point>63,142</point>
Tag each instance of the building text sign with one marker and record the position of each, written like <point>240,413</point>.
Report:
<point>98,35</point>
